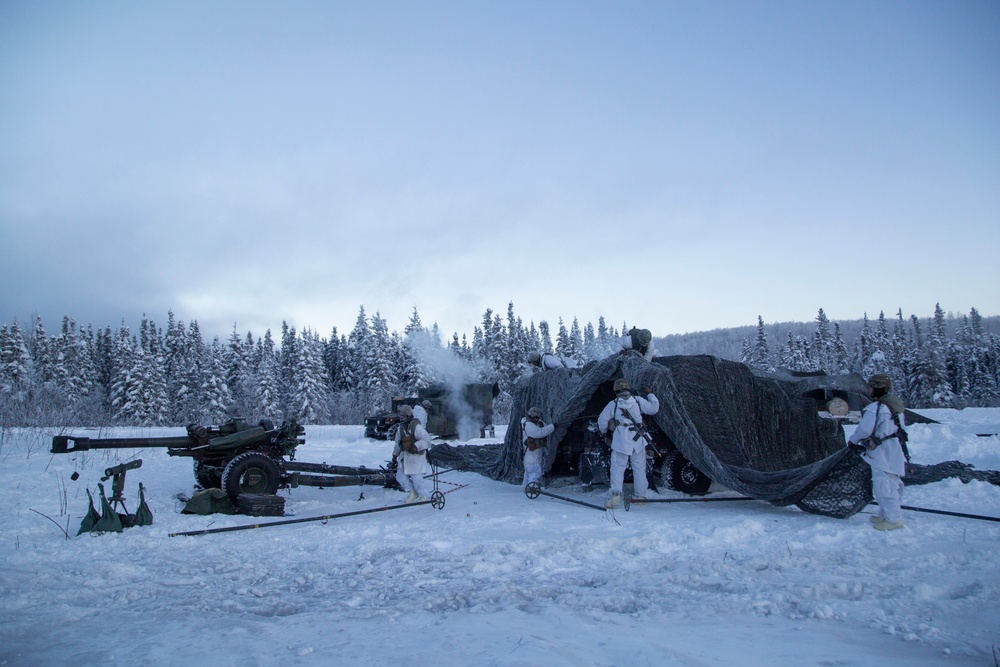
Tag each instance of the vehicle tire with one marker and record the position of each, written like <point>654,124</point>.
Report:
<point>251,472</point>
<point>208,477</point>
<point>266,424</point>
<point>684,477</point>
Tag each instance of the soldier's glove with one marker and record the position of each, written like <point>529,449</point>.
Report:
<point>860,449</point>
<point>646,391</point>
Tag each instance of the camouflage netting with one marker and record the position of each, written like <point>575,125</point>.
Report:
<point>746,432</point>
<point>750,432</point>
<point>917,474</point>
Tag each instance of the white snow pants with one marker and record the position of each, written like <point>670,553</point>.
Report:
<point>532,467</point>
<point>619,461</point>
<point>414,483</point>
<point>888,491</point>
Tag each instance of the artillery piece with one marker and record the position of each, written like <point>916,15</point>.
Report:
<point>238,457</point>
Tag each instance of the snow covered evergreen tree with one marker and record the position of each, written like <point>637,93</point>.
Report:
<point>380,382</point>
<point>15,376</point>
<point>124,386</point>
<point>822,342</point>
<point>215,392</point>
<point>241,376</point>
<point>840,355</point>
<point>546,337</point>
<point>287,362</point>
<point>310,403</point>
<point>576,342</point>
<point>268,380</point>
<point>761,357</point>
<point>928,384</point>
<point>590,350</point>
<point>564,347</point>
<point>513,356</point>
<point>416,348</point>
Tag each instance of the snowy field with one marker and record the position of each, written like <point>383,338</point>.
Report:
<point>493,578</point>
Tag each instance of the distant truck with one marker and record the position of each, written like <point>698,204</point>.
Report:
<point>456,411</point>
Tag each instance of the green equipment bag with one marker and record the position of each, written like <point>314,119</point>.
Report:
<point>109,522</point>
<point>91,518</point>
<point>143,515</point>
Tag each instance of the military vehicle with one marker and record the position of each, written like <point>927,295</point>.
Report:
<point>452,413</point>
<point>239,457</point>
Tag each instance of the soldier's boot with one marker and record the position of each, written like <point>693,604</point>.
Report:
<point>887,525</point>
<point>410,498</point>
<point>614,501</point>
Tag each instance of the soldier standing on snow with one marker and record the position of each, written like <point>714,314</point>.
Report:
<point>623,417</point>
<point>412,443</point>
<point>640,340</point>
<point>880,439</point>
<point>533,434</point>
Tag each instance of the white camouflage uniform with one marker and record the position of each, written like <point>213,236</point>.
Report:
<point>533,459</point>
<point>887,460</point>
<point>411,468</point>
<point>624,446</point>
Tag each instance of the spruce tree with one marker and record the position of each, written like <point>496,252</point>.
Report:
<point>310,406</point>
<point>546,338</point>
<point>217,398</point>
<point>822,342</point>
<point>380,382</point>
<point>761,355</point>
<point>576,343</point>
<point>840,355</point>
<point>124,392</point>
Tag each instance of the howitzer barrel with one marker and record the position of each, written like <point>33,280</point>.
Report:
<point>64,444</point>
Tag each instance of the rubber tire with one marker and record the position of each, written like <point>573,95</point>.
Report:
<point>208,477</point>
<point>684,477</point>
<point>251,472</point>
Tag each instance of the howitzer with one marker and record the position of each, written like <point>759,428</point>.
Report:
<point>238,457</point>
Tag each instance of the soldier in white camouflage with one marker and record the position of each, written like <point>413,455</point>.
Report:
<point>410,454</point>
<point>880,439</point>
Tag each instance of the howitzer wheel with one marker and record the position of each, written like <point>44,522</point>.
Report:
<point>533,490</point>
<point>437,500</point>
<point>251,472</point>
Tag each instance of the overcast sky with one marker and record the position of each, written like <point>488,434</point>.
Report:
<point>682,166</point>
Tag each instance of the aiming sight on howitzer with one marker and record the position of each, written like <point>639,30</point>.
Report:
<point>238,457</point>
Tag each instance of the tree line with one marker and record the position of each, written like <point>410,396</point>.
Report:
<point>929,367</point>
<point>156,377</point>
<point>83,376</point>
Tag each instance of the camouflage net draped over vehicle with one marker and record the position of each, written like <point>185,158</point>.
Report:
<point>749,433</point>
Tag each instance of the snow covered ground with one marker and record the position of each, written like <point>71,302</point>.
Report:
<point>493,578</point>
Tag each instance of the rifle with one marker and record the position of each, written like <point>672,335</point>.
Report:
<point>640,430</point>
